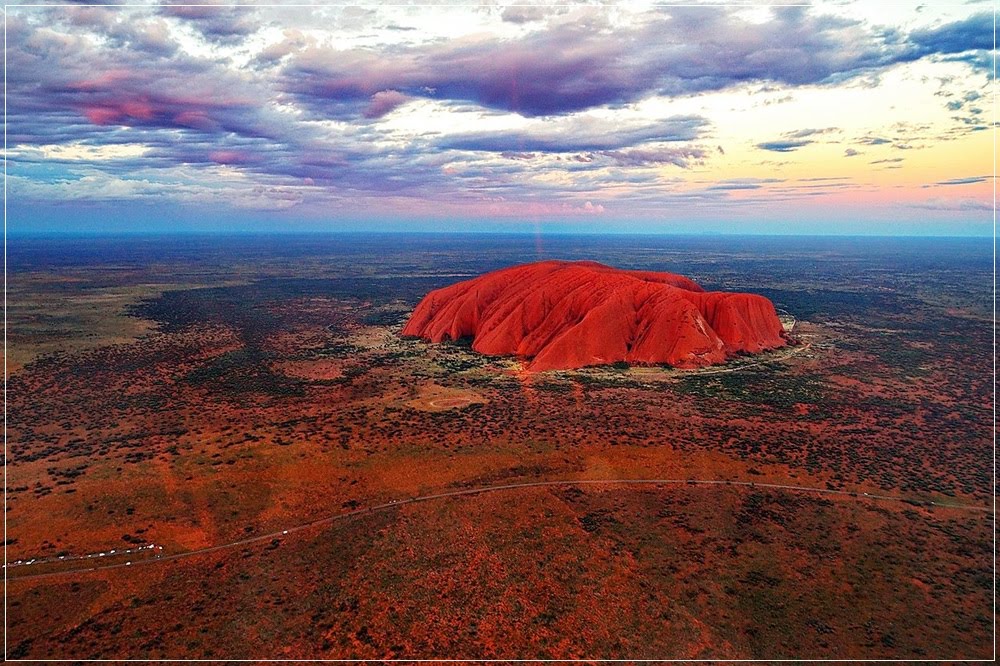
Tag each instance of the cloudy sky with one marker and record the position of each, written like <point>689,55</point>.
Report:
<point>838,117</point>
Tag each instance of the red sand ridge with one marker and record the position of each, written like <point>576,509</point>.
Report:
<point>563,314</point>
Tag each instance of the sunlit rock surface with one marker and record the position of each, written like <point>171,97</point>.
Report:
<point>561,315</point>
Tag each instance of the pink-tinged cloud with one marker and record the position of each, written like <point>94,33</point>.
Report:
<point>232,157</point>
<point>120,112</point>
<point>107,80</point>
<point>132,102</point>
<point>139,108</point>
<point>195,120</point>
<point>99,115</point>
<point>383,102</point>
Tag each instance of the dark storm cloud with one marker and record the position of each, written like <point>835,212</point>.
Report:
<point>981,61</point>
<point>783,146</point>
<point>969,40</point>
<point>217,23</point>
<point>534,76</point>
<point>383,102</point>
<point>562,69</point>
<point>971,34</point>
<point>569,67</point>
<point>150,36</point>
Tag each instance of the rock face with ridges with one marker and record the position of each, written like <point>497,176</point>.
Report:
<point>563,315</point>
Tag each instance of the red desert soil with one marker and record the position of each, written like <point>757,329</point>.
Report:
<point>312,370</point>
<point>563,314</point>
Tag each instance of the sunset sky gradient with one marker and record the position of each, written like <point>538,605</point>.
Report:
<point>835,118</point>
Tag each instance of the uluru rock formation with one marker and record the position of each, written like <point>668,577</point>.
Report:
<point>562,314</point>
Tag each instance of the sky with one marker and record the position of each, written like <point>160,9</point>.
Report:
<point>836,117</point>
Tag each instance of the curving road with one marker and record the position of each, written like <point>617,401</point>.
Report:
<point>392,504</point>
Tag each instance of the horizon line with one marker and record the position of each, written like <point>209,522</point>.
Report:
<point>51,233</point>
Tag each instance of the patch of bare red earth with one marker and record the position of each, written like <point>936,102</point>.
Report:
<point>557,573</point>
